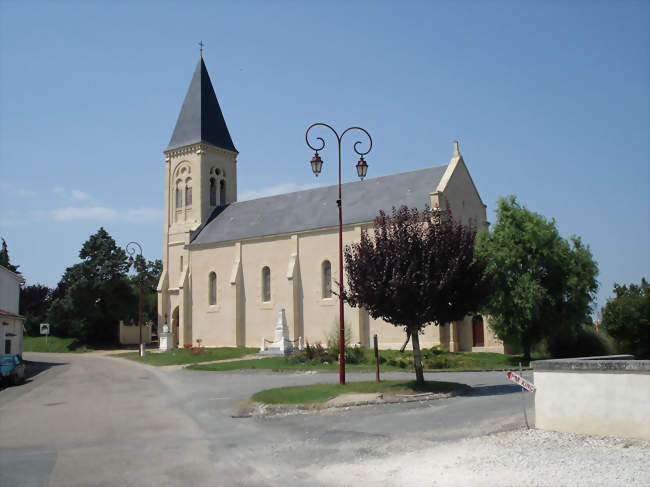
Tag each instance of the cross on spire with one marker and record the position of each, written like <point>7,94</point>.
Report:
<point>201,47</point>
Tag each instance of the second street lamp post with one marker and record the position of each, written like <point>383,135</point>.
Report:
<point>130,249</point>
<point>362,168</point>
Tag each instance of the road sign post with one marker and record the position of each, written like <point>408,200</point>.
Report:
<point>518,379</point>
<point>45,330</point>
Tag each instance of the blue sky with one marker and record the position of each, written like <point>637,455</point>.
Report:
<point>549,101</point>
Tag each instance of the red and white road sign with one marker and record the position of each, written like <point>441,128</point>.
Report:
<point>520,380</point>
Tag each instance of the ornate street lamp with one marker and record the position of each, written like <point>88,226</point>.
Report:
<point>362,168</point>
<point>130,249</point>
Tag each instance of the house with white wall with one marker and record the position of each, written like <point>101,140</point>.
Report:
<point>11,323</point>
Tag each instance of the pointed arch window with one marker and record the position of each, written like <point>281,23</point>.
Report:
<point>179,195</point>
<point>212,289</point>
<point>213,192</point>
<point>188,192</point>
<point>266,284</point>
<point>326,279</point>
<point>222,192</point>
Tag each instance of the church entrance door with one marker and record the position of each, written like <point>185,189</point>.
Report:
<point>477,331</point>
<point>175,326</point>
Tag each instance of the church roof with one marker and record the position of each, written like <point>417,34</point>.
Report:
<point>201,119</point>
<point>316,208</point>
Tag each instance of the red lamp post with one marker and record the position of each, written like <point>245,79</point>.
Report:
<point>362,168</point>
<point>130,249</point>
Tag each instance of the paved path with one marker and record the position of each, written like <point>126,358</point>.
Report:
<point>93,420</point>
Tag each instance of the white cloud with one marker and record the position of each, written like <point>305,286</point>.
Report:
<point>143,214</point>
<point>253,194</point>
<point>92,213</point>
<point>11,221</point>
<point>79,195</point>
<point>102,213</point>
<point>13,190</point>
<point>58,189</point>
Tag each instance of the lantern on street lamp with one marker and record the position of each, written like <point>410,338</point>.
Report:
<point>316,164</point>
<point>362,168</point>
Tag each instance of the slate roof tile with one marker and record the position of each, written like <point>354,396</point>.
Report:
<point>316,208</point>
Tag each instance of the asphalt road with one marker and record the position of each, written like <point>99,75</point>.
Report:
<point>92,420</point>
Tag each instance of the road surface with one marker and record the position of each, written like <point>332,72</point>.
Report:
<point>93,420</point>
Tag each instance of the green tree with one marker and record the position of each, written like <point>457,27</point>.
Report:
<point>626,318</point>
<point>544,284</point>
<point>34,303</point>
<point>94,294</point>
<point>150,270</point>
<point>4,258</point>
<point>418,269</point>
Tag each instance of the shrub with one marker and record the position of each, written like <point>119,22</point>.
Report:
<point>626,318</point>
<point>314,354</point>
<point>438,362</point>
<point>333,338</point>
<point>354,355</point>
<point>583,342</point>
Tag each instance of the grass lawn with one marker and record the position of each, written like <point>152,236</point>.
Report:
<point>322,392</point>
<point>392,360</point>
<point>54,345</point>
<point>186,355</point>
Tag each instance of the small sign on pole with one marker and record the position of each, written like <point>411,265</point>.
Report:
<point>520,380</point>
<point>45,330</point>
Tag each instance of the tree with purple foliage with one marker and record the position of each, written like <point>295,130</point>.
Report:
<point>417,269</point>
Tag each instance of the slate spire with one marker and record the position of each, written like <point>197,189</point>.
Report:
<point>201,119</point>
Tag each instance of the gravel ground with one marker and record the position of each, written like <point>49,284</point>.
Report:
<point>513,458</point>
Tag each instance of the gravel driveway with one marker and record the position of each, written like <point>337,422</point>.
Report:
<point>513,458</point>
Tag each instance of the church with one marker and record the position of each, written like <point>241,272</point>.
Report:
<point>230,266</point>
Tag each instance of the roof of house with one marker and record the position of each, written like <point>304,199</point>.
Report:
<point>16,275</point>
<point>316,208</point>
<point>10,314</point>
<point>201,119</point>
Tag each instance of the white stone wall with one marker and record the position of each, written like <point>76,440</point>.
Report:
<point>594,403</point>
<point>130,335</point>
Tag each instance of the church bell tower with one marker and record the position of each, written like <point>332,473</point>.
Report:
<point>200,176</point>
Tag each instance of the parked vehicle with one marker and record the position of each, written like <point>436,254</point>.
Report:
<point>12,369</point>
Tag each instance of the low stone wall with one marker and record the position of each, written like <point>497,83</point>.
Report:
<point>130,335</point>
<point>593,395</point>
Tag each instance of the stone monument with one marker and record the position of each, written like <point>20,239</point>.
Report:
<point>281,344</point>
<point>166,339</point>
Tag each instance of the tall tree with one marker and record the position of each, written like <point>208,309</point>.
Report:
<point>544,284</point>
<point>150,271</point>
<point>4,258</point>
<point>626,318</point>
<point>34,303</point>
<point>417,269</point>
<point>94,294</point>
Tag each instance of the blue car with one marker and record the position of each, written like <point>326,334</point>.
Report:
<point>12,369</point>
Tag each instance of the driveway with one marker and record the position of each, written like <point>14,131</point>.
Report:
<point>90,420</point>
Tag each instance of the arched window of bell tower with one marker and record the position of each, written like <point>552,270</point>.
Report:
<point>213,192</point>
<point>188,192</point>
<point>179,194</point>
<point>183,183</point>
<point>222,192</point>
